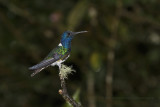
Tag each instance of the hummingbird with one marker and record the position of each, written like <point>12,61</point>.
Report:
<point>58,55</point>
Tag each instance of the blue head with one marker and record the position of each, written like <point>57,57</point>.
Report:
<point>67,37</point>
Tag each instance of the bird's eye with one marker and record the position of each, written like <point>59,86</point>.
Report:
<point>69,34</point>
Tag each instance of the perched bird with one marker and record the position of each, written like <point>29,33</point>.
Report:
<point>59,54</point>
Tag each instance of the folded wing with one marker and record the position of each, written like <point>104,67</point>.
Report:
<point>43,64</point>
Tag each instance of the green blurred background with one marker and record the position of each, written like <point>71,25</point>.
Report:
<point>117,62</point>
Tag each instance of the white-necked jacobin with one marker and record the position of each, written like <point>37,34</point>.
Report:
<point>58,55</point>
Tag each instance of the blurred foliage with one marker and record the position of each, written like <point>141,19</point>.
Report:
<point>30,29</point>
<point>95,61</point>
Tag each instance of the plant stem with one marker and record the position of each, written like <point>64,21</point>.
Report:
<point>65,94</point>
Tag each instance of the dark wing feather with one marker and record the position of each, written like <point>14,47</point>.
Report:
<point>43,64</point>
<point>52,53</point>
<point>48,62</point>
<point>36,71</point>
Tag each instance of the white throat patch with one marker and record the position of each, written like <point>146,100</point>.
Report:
<point>60,44</point>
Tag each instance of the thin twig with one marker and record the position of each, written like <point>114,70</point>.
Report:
<point>65,94</point>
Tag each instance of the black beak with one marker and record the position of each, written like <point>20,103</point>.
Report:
<point>75,33</point>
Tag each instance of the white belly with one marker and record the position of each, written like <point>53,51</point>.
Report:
<point>58,63</point>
